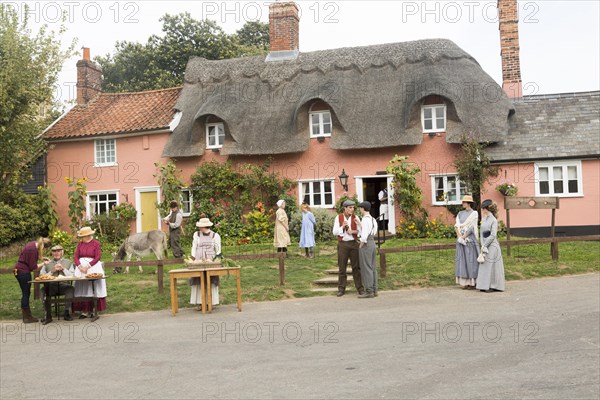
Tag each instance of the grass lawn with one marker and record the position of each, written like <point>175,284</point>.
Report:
<point>260,278</point>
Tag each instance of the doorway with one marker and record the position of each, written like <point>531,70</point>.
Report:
<point>371,186</point>
<point>148,217</point>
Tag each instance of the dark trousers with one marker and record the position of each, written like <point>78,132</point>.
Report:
<point>62,288</point>
<point>174,237</point>
<point>23,278</point>
<point>348,251</point>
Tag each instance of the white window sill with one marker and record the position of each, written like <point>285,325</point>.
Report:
<point>106,165</point>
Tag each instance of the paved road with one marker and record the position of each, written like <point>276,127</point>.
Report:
<point>538,340</point>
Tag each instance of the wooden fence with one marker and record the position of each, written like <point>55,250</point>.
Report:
<point>436,247</point>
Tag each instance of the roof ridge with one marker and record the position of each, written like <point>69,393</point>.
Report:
<point>564,95</point>
<point>142,92</point>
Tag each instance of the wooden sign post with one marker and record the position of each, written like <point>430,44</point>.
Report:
<point>532,203</point>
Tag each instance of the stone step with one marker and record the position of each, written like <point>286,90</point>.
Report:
<point>334,271</point>
<point>331,280</point>
<point>325,289</point>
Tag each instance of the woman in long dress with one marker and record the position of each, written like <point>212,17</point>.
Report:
<point>206,245</point>
<point>307,232</point>
<point>87,261</point>
<point>467,249</point>
<point>282,235</point>
<point>491,270</point>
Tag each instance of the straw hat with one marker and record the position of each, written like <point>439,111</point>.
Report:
<point>204,223</point>
<point>468,199</point>
<point>85,231</point>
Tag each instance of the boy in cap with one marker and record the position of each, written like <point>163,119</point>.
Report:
<point>367,252</point>
<point>346,227</point>
<point>174,220</point>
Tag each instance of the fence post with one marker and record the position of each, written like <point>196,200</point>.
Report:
<point>382,264</point>
<point>281,269</point>
<point>159,273</point>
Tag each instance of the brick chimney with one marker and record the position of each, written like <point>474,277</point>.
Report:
<point>284,27</point>
<point>89,79</point>
<point>509,48</point>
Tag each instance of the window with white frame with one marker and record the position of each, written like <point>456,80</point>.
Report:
<point>215,135</point>
<point>101,202</point>
<point>447,189</point>
<point>105,152</point>
<point>320,123</point>
<point>186,202</point>
<point>317,193</point>
<point>433,118</point>
<point>559,179</point>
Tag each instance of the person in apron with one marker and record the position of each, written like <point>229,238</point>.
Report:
<point>87,261</point>
<point>206,245</point>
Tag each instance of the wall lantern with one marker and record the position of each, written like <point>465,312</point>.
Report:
<point>344,180</point>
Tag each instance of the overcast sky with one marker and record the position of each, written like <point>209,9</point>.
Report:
<point>559,40</point>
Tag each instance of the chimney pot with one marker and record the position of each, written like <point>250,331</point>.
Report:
<point>89,79</point>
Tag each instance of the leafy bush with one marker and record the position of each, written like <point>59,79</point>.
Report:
<point>259,226</point>
<point>424,228</point>
<point>324,228</point>
<point>113,228</point>
<point>21,220</point>
<point>66,240</point>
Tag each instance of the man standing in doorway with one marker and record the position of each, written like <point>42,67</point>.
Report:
<point>174,220</point>
<point>383,209</point>
<point>347,227</point>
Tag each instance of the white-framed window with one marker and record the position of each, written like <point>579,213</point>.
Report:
<point>101,202</point>
<point>447,189</point>
<point>215,135</point>
<point>433,118</point>
<point>105,152</point>
<point>320,124</point>
<point>561,178</point>
<point>317,193</point>
<point>186,202</point>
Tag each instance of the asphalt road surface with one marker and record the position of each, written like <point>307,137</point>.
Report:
<point>538,340</point>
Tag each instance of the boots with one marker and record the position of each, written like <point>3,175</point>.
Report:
<point>27,317</point>
<point>68,316</point>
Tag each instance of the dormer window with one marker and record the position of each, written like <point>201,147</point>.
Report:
<point>433,118</point>
<point>215,135</point>
<point>319,118</point>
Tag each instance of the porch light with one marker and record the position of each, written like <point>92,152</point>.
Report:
<point>344,180</point>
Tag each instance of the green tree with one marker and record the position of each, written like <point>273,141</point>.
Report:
<point>161,62</point>
<point>29,67</point>
<point>474,167</point>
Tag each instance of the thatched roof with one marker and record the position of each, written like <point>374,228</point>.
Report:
<point>374,92</point>
<point>554,126</point>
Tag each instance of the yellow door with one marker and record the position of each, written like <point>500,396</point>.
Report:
<point>149,211</point>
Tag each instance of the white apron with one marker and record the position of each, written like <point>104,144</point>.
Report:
<point>84,288</point>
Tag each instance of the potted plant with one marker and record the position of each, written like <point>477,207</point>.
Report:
<point>507,189</point>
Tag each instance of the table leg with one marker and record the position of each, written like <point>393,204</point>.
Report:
<point>47,305</point>
<point>174,302</point>
<point>202,293</point>
<point>239,291</point>
<point>94,302</point>
<point>208,292</point>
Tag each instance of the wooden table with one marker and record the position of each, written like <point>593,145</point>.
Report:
<point>205,292</point>
<point>48,302</point>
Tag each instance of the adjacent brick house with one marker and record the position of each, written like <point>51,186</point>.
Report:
<point>320,113</point>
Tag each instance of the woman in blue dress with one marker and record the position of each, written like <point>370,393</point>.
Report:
<point>491,270</point>
<point>307,232</point>
<point>467,248</point>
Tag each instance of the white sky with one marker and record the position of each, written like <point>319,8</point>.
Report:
<point>560,39</point>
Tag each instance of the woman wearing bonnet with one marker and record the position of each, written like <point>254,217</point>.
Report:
<point>282,236</point>
<point>491,269</point>
<point>467,249</point>
<point>206,245</point>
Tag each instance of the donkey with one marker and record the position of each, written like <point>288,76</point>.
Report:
<point>141,244</point>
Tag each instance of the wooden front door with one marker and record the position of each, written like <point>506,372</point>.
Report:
<point>149,217</point>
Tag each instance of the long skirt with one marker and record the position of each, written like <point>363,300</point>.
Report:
<point>466,265</point>
<point>491,271</point>
<point>86,289</point>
